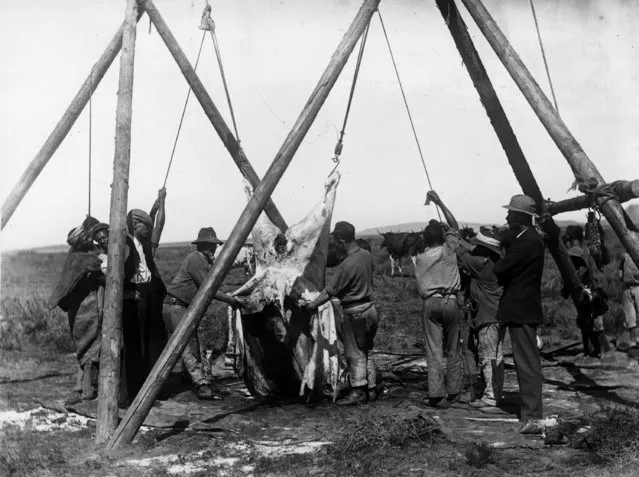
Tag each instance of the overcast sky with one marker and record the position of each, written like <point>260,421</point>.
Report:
<point>274,52</point>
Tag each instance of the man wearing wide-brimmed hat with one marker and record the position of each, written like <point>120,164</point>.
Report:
<point>484,295</point>
<point>180,292</point>
<point>520,271</point>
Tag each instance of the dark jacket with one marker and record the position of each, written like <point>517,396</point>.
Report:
<point>484,289</point>
<point>131,265</point>
<point>519,272</point>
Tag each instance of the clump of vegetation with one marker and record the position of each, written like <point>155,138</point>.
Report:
<point>28,323</point>
<point>25,452</point>
<point>479,454</point>
<point>377,430</point>
<point>614,436</point>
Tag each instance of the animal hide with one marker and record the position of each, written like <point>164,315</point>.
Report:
<point>280,349</point>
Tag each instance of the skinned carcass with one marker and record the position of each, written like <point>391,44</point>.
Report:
<point>279,348</point>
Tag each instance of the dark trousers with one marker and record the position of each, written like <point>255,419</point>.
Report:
<point>442,323</point>
<point>144,337</point>
<point>469,352</point>
<point>528,367</point>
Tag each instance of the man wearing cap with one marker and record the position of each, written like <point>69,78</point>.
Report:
<point>100,236</point>
<point>180,293</point>
<point>143,330</point>
<point>485,293</point>
<point>352,284</point>
<point>519,272</point>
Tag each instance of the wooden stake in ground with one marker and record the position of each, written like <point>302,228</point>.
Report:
<point>110,356</point>
<point>140,407</point>
<point>62,128</point>
<point>211,111</point>
<point>507,138</point>
<point>581,165</point>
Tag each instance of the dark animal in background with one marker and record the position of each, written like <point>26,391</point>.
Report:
<point>363,243</point>
<point>467,233</point>
<point>336,254</point>
<point>402,244</point>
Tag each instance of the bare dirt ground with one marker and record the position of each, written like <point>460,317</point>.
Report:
<point>243,436</point>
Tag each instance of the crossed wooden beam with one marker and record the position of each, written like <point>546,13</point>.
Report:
<point>125,40</point>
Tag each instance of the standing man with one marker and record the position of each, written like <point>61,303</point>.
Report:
<point>519,272</point>
<point>485,293</point>
<point>142,326</point>
<point>439,286</point>
<point>180,293</point>
<point>352,284</point>
<point>629,275</point>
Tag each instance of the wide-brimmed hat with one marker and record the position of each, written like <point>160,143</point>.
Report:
<point>343,230</point>
<point>524,204</point>
<point>207,235</point>
<point>487,238</point>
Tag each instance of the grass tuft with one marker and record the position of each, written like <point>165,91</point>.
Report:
<point>479,454</point>
<point>375,430</point>
<point>614,436</point>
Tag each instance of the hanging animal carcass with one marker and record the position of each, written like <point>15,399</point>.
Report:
<point>279,348</point>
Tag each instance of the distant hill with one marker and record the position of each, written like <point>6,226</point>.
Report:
<point>417,226</point>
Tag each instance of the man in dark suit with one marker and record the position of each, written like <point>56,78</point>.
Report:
<point>519,272</point>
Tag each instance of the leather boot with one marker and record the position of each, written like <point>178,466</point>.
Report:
<point>356,396</point>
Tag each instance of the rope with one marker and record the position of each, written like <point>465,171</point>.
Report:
<point>410,118</point>
<point>340,142</point>
<point>186,102</point>
<point>207,23</point>
<point>543,54</point>
<point>90,135</point>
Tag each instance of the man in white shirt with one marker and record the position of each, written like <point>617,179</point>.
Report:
<point>142,324</point>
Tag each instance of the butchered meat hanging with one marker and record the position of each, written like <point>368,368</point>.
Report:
<point>279,348</point>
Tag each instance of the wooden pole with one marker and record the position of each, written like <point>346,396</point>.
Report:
<point>581,165</point>
<point>140,407</point>
<point>624,190</point>
<point>110,355</point>
<point>507,138</point>
<point>62,128</point>
<point>209,107</point>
